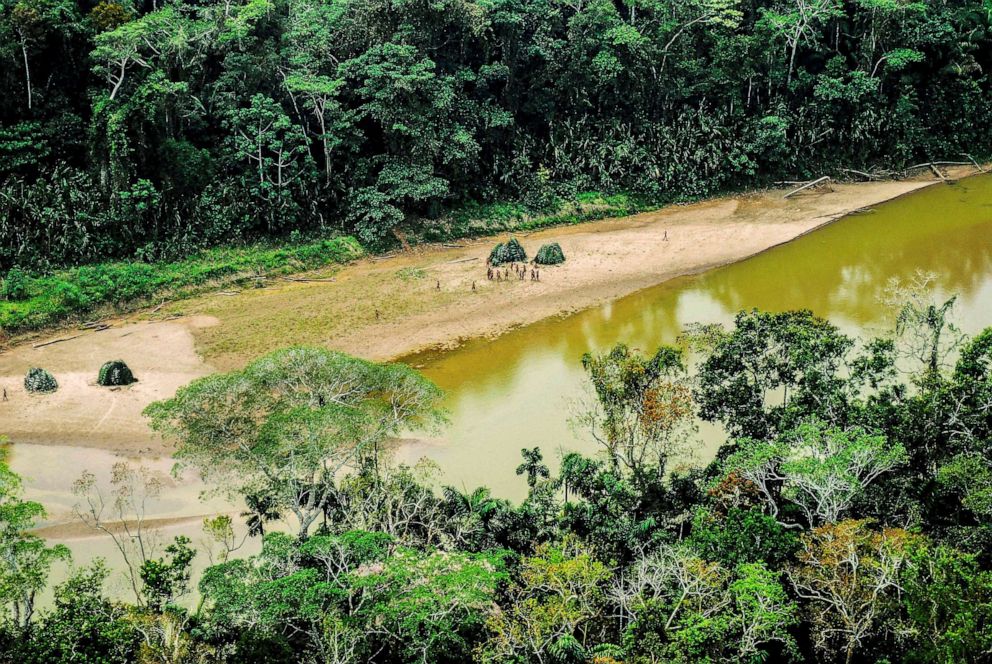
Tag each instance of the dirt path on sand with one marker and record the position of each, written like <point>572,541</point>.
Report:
<point>387,307</point>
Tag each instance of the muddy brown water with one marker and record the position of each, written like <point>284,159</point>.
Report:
<point>518,390</point>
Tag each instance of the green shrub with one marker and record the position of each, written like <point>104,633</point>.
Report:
<point>40,381</point>
<point>509,252</point>
<point>550,254</point>
<point>115,373</point>
<point>15,285</point>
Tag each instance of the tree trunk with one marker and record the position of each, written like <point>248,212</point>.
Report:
<point>792,63</point>
<point>27,71</point>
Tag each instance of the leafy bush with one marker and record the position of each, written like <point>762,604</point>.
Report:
<point>508,252</point>
<point>39,381</point>
<point>550,254</point>
<point>115,372</point>
<point>15,285</point>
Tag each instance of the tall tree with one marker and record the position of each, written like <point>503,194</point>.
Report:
<point>287,423</point>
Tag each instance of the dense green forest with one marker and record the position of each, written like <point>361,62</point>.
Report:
<point>149,129</point>
<point>846,518</point>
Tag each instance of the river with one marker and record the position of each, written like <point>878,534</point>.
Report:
<point>519,390</point>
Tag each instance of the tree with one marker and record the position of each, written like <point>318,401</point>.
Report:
<point>83,625</point>
<point>643,413</point>
<point>689,609</point>
<point>122,515</point>
<point>287,423</point>
<point>418,117</point>
<point>797,22</point>
<point>740,537</point>
<point>772,369</point>
<point>474,520</point>
<point>533,466</point>
<point>33,21</point>
<point>264,137</point>
<point>820,469</point>
<point>167,579</point>
<point>397,501</point>
<point>850,577</point>
<point>552,605</point>
<point>924,326</point>
<point>948,599</point>
<point>311,76</point>
<point>764,611</point>
<point>617,514</point>
<point>357,595</point>
<point>118,51</point>
<point>428,607</point>
<point>25,560</point>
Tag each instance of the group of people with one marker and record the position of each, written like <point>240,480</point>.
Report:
<point>493,273</point>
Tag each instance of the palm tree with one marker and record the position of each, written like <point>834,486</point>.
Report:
<point>533,466</point>
<point>261,508</point>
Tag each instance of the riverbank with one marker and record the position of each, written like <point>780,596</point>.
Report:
<point>388,307</point>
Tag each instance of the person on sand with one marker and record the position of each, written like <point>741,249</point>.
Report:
<point>537,274</point>
<point>473,286</point>
<point>489,274</point>
<point>438,287</point>
<point>5,394</point>
<point>499,276</point>
<point>664,238</point>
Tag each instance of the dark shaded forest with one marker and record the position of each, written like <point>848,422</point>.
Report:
<point>150,130</point>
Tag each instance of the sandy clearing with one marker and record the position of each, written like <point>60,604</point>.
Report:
<point>162,355</point>
<point>384,308</point>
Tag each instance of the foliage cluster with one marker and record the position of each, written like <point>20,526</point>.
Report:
<point>39,381</point>
<point>550,254</point>
<point>510,251</point>
<point>115,373</point>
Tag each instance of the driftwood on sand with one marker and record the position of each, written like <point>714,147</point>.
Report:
<point>812,183</point>
<point>56,341</point>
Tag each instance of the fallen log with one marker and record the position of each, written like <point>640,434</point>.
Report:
<point>866,176</point>
<point>813,183</point>
<point>975,163</point>
<point>307,281</point>
<point>930,164</point>
<point>56,341</point>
